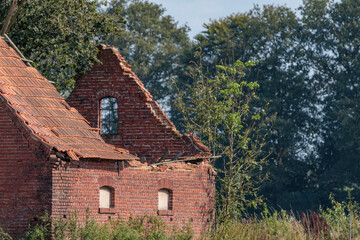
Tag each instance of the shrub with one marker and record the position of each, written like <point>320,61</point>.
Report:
<point>338,218</point>
<point>278,225</point>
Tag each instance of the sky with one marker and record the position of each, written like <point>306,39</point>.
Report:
<point>195,13</point>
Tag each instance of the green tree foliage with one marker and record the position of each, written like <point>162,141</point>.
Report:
<point>332,36</point>
<point>270,35</point>
<point>217,109</point>
<point>152,43</point>
<point>60,36</point>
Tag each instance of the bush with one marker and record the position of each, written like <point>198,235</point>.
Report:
<point>338,218</point>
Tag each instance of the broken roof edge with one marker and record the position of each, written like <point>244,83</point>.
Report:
<point>189,139</point>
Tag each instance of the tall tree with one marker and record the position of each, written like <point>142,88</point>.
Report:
<point>153,43</point>
<point>60,36</point>
<point>332,36</point>
<point>217,109</point>
<point>270,35</point>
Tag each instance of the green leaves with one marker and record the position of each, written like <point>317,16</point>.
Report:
<point>61,37</point>
<point>280,75</point>
<point>152,43</point>
<point>220,110</point>
<point>332,35</point>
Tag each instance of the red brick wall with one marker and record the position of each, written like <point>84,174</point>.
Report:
<point>76,187</point>
<point>143,128</point>
<point>25,180</point>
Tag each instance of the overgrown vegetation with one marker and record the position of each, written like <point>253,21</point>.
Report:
<point>220,110</point>
<point>308,69</point>
<point>332,223</point>
<point>147,227</point>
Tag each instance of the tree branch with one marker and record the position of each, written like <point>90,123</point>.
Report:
<point>8,18</point>
<point>13,19</point>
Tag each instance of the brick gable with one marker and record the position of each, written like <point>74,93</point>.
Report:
<point>143,127</point>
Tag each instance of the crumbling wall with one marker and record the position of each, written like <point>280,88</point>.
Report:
<point>77,184</point>
<point>143,128</point>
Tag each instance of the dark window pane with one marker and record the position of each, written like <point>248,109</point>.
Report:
<point>113,103</point>
<point>109,115</point>
<point>105,115</point>
<point>105,103</point>
<point>115,117</point>
<point>113,127</point>
<point>105,128</point>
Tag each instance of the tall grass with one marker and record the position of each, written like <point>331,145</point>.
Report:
<point>278,225</point>
<point>331,223</point>
<point>139,228</point>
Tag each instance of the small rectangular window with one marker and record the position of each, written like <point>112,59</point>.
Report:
<point>109,115</point>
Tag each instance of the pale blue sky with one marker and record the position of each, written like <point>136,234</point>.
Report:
<point>195,13</point>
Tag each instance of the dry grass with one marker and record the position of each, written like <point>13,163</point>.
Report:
<point>330,224</point>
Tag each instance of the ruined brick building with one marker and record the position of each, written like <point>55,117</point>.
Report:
<point>110,149</point>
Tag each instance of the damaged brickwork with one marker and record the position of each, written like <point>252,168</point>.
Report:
<point>143,128</point>
<point>76,187</point>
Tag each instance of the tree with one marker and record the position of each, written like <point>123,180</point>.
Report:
<point>271,35</point>
<point>152,43</point>
<point>60,36</point>
<point>332,35</point>
<point>218,110</point>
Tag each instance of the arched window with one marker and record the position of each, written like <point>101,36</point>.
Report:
<point>106,197</point>
<point>164,202</point>
<point>109,115</point>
